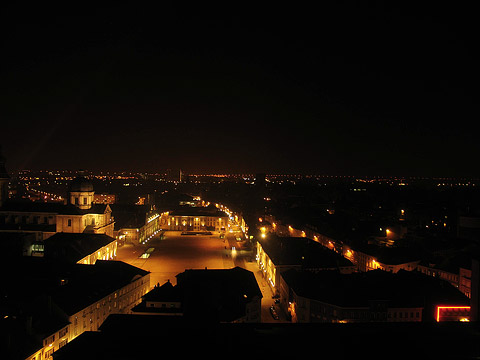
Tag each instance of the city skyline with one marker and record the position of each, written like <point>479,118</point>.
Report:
<point>342,89</point>
<point>312,256</point>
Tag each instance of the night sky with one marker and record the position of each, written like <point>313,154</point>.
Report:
<point>345,89</point>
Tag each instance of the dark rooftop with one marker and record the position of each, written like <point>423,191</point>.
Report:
<point>129,216</point>
<point>81,183</point>
<point>72,247</point>
<point>272,341</point>
<point>44,293</point>
<point>89,283</point>
<point>301,251</point>
<point>405,288</point>
<point>166,292</point>
<point>217,294</point>
<point>389,255</point>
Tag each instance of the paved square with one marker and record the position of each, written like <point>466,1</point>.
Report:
<point>177,252</point>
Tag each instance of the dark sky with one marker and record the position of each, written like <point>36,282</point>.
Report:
<point>350,89</point>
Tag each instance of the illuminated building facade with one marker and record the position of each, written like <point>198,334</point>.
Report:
<point>65,300</point>
<point>461,280</point>
<point>104,198</point>
<point>85,216</point>
<point>277,254</point>
<point>372,257</point>
<point>367,258</point>
<point>195,219</point>
<point>81,248</point>
<point>374,296</point>
<point>135,223</point>
<point>78,216</point>
<point>331,297</point>
<point>383,258</point>
<point>134,284</point>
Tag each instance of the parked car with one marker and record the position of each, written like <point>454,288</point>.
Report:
<point>273,312</point>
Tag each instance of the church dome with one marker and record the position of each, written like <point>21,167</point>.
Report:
<point>81,184</point>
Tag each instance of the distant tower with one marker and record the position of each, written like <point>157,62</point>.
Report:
<point>4,179</point>
<point>81,192</point>
<point>260,181</point>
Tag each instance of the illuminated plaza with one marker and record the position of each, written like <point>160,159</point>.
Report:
<point>175,253</point>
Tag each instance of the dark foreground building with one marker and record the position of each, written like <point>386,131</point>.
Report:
<point>44,305</point>
<point>152,337</point>
<point>373,296</point>
<point>209,295</point>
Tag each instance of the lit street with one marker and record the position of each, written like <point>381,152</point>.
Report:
<point>267,300</point>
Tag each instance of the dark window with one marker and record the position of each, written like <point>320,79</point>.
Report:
<point>69,223</point>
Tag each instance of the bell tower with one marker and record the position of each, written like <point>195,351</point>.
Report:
<point>4,179</point>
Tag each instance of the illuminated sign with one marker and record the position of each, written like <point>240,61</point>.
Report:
<point>453,313</point>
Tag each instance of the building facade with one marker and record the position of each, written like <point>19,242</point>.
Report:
<point>135,223</point>
<point>305,310</point>
<point>330,297</point>
<point>277,254</point>
<point>79,215</point>
<point>194,219</point>
<point>79,300</point>
<point>82,248</point>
